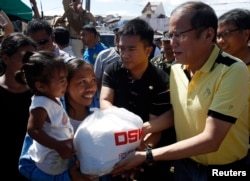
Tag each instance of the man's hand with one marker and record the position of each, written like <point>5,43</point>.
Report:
<point>130,164</point>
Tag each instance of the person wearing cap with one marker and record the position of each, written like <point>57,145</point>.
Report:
<point>157,42</point>
<point>166,58</point>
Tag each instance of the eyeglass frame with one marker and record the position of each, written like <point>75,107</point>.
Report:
<point>43,41</point>
<point>226,34</point>
<point>179,35</point>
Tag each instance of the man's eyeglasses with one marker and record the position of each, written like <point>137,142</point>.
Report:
<point>179,35</point>
<point>43,42</point>
<point>226,33</point>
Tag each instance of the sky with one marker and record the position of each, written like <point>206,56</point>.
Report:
<point>133,7</point>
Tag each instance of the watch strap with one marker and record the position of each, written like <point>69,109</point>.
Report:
<point>149,156</point>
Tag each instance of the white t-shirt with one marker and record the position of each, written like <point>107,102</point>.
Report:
<point>60,128</point>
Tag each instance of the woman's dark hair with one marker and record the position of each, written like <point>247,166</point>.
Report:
<point>39,66</point>
<point>11,45</point>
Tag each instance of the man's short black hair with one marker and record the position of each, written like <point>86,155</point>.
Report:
<point>36,25</point>
<point>140,28</point>
<point>61,35</point>
<point>90,28</point>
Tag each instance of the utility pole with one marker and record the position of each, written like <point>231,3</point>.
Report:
<point>87,5</point>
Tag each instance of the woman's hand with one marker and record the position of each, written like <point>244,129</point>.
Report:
<point>76,174</point>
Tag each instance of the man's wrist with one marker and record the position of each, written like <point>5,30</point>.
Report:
<point>149,156</point>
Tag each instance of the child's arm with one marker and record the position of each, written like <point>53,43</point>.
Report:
<point>37,118</point>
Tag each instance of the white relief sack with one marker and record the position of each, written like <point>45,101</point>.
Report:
<point>105,137</point>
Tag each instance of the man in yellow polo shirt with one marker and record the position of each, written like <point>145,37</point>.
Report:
<point>209,95</point>
<point>233,37</point>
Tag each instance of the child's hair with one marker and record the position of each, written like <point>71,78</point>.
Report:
<point>39,66</point>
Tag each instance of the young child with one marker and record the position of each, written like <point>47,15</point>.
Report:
<point>48,123</point>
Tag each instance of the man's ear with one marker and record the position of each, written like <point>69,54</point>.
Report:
<point>209,33</point>
<point>247,35</point>
<point>149,49</point>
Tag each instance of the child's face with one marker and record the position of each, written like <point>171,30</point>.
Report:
<point>82,87</point>
<point>58,84</point>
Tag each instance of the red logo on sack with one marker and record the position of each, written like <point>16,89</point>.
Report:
<point>125,137</point>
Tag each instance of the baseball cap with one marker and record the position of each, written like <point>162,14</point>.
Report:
<point>119,25</point>
<point>165,36</point>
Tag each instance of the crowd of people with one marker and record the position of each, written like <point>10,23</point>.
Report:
<point>193,96</point>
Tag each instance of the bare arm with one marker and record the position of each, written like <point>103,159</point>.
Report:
<point>207,141</point>
<point>8,27</point>
<point>159,123</point>
<point>106,97</point>
<point>37,119</point>
<point>66,4</point>
<point>152,128</point>
<point>35,9</point>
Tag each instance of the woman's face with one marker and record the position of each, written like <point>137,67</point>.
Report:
<point>82,87</point>
<point>15,61</point>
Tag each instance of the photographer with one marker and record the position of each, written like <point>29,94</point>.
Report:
<point>77,17</point>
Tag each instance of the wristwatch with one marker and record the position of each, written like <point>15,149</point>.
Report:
<point>149,156</point>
